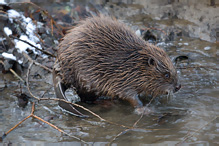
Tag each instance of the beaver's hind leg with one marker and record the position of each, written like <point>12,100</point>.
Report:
<point>60,89</point>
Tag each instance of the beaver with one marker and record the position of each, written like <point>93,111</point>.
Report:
<point>104,57</point>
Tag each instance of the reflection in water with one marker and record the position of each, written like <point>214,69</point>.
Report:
<point>193,106</point>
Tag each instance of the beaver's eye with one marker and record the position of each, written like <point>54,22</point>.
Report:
<point>167,75</point>
<point>151,62</point>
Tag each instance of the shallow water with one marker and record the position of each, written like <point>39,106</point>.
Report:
<point>194,106</point>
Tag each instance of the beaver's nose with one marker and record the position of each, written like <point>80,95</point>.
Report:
<point>177,87</point>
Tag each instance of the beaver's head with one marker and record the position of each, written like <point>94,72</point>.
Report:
<point>159,74</point>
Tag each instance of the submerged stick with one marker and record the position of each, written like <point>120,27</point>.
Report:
<point>121,133</point>
<point>134,125</point>
<point>50,124</point>
<point>143,112</point>
<point>6,133</point>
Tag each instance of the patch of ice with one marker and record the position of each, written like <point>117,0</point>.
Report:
<point>8,56</point>
<point>180,44</point>
<point>207,48</point>
<point>186,44</point>
<point>180,40</point>
<point>7,31</point>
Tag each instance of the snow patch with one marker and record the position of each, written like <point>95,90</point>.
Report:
<point>21,46</point>
<point>2,39</point>
<point>20,61</point>
<point>29,35</point>
<point>7,31</point>
<point>13,14</point>
<point>8,56</point>
<point>3,2</point>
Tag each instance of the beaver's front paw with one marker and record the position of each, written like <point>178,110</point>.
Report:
<point>143,110</point>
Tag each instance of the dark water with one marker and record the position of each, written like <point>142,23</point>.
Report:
<point>195,106</point>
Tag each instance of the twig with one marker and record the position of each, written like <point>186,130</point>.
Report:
<point>34,116</point>
<point>51,22</point>
<point>191,135</point>
<point>11,17</point>
<point>3,12</point>
<point>6,133</point>
<point>27,81</point>
<point>13,72</point>
<point>15,126</point>
<point>36,63</point>
<point>121,133</point>
<point>134,125</point>
<point>37,35</point>
<point>55,127</point>
<point>143,112</point>
<point>77,105</point>
<point>102,119</point>
<point>44,93</point>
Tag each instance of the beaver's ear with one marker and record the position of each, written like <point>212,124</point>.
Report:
<point>151,62</point>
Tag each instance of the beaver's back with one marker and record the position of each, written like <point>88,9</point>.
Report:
<point>98,54</point>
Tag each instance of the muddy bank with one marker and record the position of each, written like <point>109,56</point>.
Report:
<point>197,19</point>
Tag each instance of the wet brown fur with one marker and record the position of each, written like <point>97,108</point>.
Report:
<point>105,57</point>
